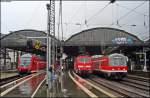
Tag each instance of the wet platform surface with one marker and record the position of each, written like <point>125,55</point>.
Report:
<point>27,88</point>
<point>62,87</point>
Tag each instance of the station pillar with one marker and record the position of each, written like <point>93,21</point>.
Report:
<point>145,59</point>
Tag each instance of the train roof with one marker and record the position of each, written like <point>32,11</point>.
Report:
<point>26,55</point>
<point>97,56</point>
<point>83,56</point>
<point>116,54</point>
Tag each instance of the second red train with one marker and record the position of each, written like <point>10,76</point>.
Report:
<point>83,64</point>
<point>112,66</point>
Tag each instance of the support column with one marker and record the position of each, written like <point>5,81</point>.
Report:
<point>17,57</point>
<point>5,67</point>
<point>145,59</point>
<point>14,58</point>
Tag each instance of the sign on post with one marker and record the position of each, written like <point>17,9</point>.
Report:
<point>37,44</point>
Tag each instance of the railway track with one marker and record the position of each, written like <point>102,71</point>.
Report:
<point>135,85</point>
<point>10,88</point>
<point>138,78</point>
<point>13,82</point>
<point>125,89</point>
<point>102,87</point>
<point>9,79</point>
<point>90,89</point>
<point>137,82</point>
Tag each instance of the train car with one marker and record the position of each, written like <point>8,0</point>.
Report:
<point>83,65</point>
<point>113,66</point>
<point>28,63</point>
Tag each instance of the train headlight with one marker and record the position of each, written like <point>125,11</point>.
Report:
<point>88,66</point>
<point>80,66</point>
<point>113,69</point>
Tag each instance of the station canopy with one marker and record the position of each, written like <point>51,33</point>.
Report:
<point>19,40</point>
<point>96,38</point>
<point>103,36</point>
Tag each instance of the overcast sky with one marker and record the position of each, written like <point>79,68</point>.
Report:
<point>19,15</point>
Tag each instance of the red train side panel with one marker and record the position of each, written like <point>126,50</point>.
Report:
<point>112,66</point>
<point>28,63</point>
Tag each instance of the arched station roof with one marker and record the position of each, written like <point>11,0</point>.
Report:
<point>101,40</point>
<point>18,39</point>
<point>103,36</point>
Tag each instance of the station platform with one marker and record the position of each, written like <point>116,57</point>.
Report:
<point>7,74</point>
<point>65,87</point>
<point>61,87</point>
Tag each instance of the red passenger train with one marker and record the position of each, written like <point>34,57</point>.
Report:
<point>83,65</point>
<point>28,63</point>
<point>113,66</point>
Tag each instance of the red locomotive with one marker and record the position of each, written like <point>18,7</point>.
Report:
<point>113,66</point>
<point>83,65</point>
<point>28,63</point>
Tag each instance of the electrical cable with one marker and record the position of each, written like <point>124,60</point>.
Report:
<point>129,12</point>
<point>86,21</point>
<point>98,12</point>
<point>76,13</point>
<point>131,9</point>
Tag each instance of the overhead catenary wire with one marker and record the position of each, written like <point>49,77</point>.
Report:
<point>98,12</point>
<point>131,9</point>
<point>128,13</point>
<point>76,13</point>
<point>92,17</point>
<point>125,24</point>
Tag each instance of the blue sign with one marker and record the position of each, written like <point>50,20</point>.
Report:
<point>122,40</point>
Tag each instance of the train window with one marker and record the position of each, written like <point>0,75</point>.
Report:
<point>84,60</point>
<point>25,61</point>
<point>117,60</point>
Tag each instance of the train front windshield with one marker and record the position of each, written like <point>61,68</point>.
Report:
<point>117,60</point>
<point>25,61</point>
<point>84,60</point>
